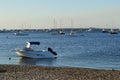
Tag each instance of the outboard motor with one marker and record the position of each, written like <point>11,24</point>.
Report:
<point>49,49</point>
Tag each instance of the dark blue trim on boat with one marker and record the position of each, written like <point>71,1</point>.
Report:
<point>36,43</point>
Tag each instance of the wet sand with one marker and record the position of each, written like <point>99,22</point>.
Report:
<point>20,72</point>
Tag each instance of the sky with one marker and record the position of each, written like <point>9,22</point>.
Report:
<point>37,14</point>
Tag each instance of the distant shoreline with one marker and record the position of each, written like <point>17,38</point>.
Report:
<point>22,72</point>
<point>66,29</point>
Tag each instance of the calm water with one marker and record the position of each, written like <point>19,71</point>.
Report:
<point>86,49</point>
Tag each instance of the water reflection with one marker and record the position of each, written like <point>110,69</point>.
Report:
<point>38,62</point>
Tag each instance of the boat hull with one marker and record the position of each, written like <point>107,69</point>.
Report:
<point>35,54</point>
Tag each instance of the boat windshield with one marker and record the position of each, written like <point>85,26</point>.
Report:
<point>28,44</point>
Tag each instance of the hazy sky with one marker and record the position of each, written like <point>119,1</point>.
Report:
<point>42,13</point>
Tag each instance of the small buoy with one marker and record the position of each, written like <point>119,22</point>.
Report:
<point>9,58</point>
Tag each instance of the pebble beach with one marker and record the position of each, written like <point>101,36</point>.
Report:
<point>22,72</point>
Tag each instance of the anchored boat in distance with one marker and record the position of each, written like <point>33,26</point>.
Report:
<point>28,52</point>
<point>19,33</point>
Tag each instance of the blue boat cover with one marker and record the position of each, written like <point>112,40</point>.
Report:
<point>34,43</point>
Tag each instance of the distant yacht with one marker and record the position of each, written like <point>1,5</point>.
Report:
<point>104,31</point>
<point>89,30</point>
<point>56,31</point>
<point>61,32</point>
<point>112,31</point>
<point>72,33</point>
<point>20,33</point>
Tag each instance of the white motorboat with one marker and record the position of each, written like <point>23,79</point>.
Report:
<point>112,31</point>
<point>104,31</point>
<point>30,53</point>
<point>61,32</point>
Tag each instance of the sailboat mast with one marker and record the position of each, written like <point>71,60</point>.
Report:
<point>71,23</point>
